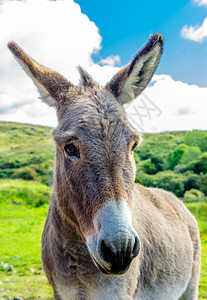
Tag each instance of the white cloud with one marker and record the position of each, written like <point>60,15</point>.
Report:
<point>56,34</point>
<point>195,33</point>
<point>172,105</point>
<point>111,60</point>
<point>201,2</point>
<point>102,74</point>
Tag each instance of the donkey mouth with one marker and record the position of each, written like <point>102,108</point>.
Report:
<point>101,268</point>
<point>114,270</point>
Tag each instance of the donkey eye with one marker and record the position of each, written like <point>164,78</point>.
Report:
<point>72,151</point>
<point>134,146</point>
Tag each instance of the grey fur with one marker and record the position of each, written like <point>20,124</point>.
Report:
<point>91,191</point>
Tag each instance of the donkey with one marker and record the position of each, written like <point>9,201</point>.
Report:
<point>105,237</point>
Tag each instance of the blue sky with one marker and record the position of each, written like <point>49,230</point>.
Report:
<point>125,25</point>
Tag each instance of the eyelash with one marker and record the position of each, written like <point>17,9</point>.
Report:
<point>134,146</point>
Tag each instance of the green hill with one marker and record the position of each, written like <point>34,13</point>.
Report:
<point>26,151</point>
<point>176,161</point>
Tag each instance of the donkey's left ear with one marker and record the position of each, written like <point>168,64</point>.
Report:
<point>50,84</point>
<point>130,81</point>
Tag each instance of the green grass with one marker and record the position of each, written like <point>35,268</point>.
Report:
<point>21,225</point>
<point>199,210</point>
<point>23,209</point>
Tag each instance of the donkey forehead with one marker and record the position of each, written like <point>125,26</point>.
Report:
<point>95,101</point>
<point>94,114</point>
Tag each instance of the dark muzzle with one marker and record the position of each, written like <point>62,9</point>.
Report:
<point>119,252</point>
<point>117,243</point>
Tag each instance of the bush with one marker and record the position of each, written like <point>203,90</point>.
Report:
<point>149,167</point>
<point>199,165</point>
<point>153,164</point>
<point>11,163</point>
<point>180,168</point>
<point>167,180</point>
<point>198,138</point>
<point>193,194</point>
<point>203,187</point>
<point>203,144</point>
<point>175,156</point>
<point>203,162</point>
<point>25,173</point>
<point>190,153</point>
<point>144,152</point>
<point>170,181</point>
<point>6,173</point>
<point>194,166</point>
<point>143,178</point>
<point>193,181</point>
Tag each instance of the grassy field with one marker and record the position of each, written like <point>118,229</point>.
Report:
<point>199,210</point>
<point>21,223</point>
<point>23,208</point>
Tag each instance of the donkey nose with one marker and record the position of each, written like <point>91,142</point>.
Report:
<point>119,252</point>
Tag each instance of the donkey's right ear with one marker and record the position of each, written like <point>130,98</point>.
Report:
<point>50,84</point>
<point>130,81</point>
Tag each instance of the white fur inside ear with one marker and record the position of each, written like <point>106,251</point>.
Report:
<point>44,93</point>
<point>135,84</point>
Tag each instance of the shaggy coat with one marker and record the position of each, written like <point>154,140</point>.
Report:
<point>106,237</point>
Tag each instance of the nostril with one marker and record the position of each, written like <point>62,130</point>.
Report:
<point>105,251</point>
<point>136,247</point>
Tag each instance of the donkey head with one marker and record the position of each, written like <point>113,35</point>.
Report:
<point>95,169</point>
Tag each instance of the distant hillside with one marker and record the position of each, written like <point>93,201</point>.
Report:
<point>26,151</point>
<point>176,161</point>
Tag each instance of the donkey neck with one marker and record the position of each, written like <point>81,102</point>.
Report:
<point>65,230</point>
